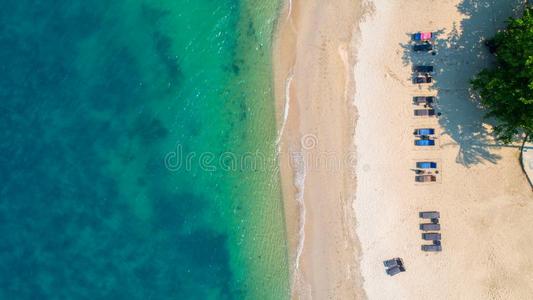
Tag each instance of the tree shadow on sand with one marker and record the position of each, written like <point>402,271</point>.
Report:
<point>459,57</point>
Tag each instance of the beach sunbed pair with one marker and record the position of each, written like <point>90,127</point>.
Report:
<point>422,74</point>
<point>425,137</point>
<point>426,106</point>
<point>394,266</point>
<point>423,42</point>
<point>423,36</point>
<point>426,171</point>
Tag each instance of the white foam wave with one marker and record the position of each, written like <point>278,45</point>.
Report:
<point>286,107</point>
<point>299,182</point>
<point>289,10</point>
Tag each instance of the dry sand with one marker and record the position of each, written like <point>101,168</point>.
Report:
<point>314,57</point>
<point>485,202</point>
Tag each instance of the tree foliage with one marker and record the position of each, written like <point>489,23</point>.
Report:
<point>506,89</point>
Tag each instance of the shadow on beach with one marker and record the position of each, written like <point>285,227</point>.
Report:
<point>459,57</point>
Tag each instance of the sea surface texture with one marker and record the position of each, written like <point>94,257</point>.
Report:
<point>138,151</point>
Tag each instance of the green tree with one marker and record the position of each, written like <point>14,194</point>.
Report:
<point>506,89</point>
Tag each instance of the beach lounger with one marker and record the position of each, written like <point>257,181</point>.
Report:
<point>393,262</point>
<point>424,47</point>
<point>426,165</point>
<point>424,131</point>
<point>424,142</point>
<point>431,236</point>
<point>395,270</point>
<point>426,100</point>
<point>423,172</point>
<point>429,214</point>
<point>432,248</point>
<point>425,178</point>
<point>422,79</point>
<point>422,36</point>
<point>430,227</point>
<point>423,69</point>
<point>435,247</point>
<point>424,112</point>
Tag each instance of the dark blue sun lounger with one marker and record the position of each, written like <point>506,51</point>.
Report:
<point>425,47</point>
<point>431,236</point>
<point>424,143</point>
<point>429,214</point>
<point>426,165</point>
<point>423,69</point>
<point>393,262</point>
<point>424,131</point>
<point>436,247</point>
<point>395,270</point>
<point>432,248</point>
<point>430,227</point>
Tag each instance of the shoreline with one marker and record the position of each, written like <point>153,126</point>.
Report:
<point>312,44</point>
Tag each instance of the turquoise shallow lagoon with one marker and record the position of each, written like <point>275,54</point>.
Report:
<point>124,125</point>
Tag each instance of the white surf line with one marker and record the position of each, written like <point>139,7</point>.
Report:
<point>300,184</point>
<point>286,107</point>
<point>290,10</point>
<point>299,181</point>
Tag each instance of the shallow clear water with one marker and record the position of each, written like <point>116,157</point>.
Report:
<point>123,124</point>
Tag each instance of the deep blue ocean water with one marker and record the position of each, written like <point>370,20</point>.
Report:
<point>96,96</point>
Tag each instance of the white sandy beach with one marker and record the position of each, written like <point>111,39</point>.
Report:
<point>485,202</point>
<point>341,91</point>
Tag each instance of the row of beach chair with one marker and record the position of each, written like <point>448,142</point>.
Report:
<point>426,171</point>
<point>433,225</point>
<point>424,106</point>
<point>426,137</point>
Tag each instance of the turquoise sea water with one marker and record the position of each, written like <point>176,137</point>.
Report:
<point>101,102</point>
